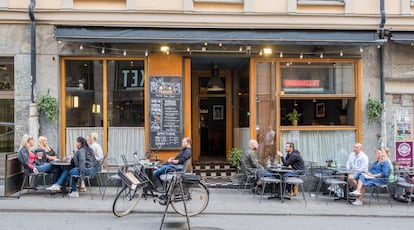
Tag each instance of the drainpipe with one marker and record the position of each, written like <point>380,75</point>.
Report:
<point>33,114</point>
<point>32,47</point>
<point>383,137</point>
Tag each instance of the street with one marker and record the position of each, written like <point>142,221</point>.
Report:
<point>107,221</point>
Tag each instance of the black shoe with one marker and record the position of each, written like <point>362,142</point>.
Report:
<point>162,200</point>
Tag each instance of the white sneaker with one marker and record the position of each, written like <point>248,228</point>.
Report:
<point>357,202</point>
<point>74,194</point>
<point>355,193</point>
<point>54,187</point>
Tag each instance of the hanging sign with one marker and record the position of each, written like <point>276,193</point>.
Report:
<point>403,138</point>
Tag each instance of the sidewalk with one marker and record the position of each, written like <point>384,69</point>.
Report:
<point>222,201</point>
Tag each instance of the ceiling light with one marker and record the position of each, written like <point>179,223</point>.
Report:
<point>165,49</point>
<point>215,84</point>
<point>267,51</point>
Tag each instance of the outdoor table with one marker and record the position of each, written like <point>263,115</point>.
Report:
<point>61,162</point>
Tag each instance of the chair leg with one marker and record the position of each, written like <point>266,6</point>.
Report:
<point>21,189</point>
<point>90,187</point>
<point>303,193</point>
<point>263,189</point>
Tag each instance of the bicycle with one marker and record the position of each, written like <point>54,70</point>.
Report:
<point>195,194</point>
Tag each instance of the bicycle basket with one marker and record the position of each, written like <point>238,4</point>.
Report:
<point>129,179</point>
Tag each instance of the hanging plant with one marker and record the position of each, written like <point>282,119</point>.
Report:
<point>48,105</point>
<point>235,156</point>
<point>375,108</point>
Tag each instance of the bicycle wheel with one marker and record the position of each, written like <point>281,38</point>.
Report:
<point>196,197</point>
<point>126,200</point>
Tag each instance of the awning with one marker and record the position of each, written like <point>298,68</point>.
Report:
<point>225,36</point>
<point>402,37</point>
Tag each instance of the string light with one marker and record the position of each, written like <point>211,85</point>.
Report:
<point>341,53</point>
<point>241,49</point>
<point>261,52</point>
<point>146,53</point>
<point>301,56</point>
<point>281,54</point>
<point>321,56</point>
<point>220,44</point>
<point>103,50</point>
<point>361,50</point>
<point>81,47</point>
<point>124,53</point>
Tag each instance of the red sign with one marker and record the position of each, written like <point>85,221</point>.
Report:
<point>404,153</point>
<point>301,83</point>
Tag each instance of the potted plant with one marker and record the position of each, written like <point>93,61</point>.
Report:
<point>48,105</point>
<point>234,160</point>
<point>374,110</point>
<point>293,117</point>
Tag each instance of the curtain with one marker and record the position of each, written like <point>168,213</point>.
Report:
<point>319,146</point>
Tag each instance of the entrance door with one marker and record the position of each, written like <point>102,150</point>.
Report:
<point>210,119</point>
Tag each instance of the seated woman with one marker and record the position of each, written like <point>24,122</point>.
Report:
<point>84,161</point>
<point>377,175</point>
<point>49,155</point>
<point>31,161</point>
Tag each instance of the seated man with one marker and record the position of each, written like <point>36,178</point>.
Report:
<point>292,160</point>
<point>174,163</point>
<point>357,162</point>
<point>249,159</point>
<point>377,175</point>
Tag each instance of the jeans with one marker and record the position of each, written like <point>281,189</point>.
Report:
<point>167,167</point>
<point>75,171</point>
<point>44,167</point>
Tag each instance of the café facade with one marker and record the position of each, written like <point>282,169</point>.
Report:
<point>143,86</point>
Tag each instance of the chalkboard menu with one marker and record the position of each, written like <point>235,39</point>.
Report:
<point>165,111</point>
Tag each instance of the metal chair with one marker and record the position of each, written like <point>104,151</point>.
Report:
<point>89,177</point>
<point>410,188</point>
<point>295,180</point>
<point>273,180</point>
<point>375,189</point>
<point>335,182</point>
<point>29,177</point>
<point>248,179</point>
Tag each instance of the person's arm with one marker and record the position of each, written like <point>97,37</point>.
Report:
<point>23,157</point>
<point>82,163</point>
<point>364,164</point>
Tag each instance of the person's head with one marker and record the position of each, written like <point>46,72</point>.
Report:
<point>379,154</point>
<point>253,144</point>
<point>81,142</point>
<point>186,142</point>
<point>43,143</point>
<point>27,142</point>
<point>388,152</point>
<point>357,148</point>
<point>289,147</point>
<point>93,137</point>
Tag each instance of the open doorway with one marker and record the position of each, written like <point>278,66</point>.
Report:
<point>213,81</point>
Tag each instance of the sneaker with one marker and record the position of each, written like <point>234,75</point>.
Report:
<point>357,202</point>
<point>355,193</point>
<point>54,187</point>
<point>74,194</point>
<point>83,189</point>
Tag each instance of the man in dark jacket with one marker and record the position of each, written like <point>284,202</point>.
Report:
<point>292,160</point>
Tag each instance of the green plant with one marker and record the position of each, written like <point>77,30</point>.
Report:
<point>293,116</point>
<point>374,111</point>
<point>48,105</point>
<point>235,156</point>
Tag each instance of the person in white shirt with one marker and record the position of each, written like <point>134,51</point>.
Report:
<point>97,149</point>
<point>358,163</point>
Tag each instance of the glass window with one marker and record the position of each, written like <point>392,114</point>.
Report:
<point>126,93</point>
<point>6,104</point>
<point>265,108</point>
<point>318,78</point>
<point>84,90</point>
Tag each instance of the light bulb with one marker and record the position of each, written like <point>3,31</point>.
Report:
<point>361,50</point>
<point>124,53</point>
<point>281,54</point>
<point>341,53</point>
<point>301,56</point>
<point>103,50</point>
<point>146,53</point>
<point>321,56</point>
<point>81,47</point>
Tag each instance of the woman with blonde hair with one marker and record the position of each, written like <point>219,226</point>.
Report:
<point>48,155</point>
<point>29,159</point>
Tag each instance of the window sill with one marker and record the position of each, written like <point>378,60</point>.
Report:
<point>321,3</point>
<point>220,1</point>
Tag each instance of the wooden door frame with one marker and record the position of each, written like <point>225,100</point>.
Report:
<point>195,113</point>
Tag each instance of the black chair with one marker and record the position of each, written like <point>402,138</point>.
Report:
<point>29,177</point>
<point>296,180</point>
<point>88,178</point>
<point>248,178</point>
